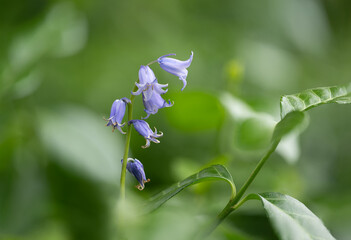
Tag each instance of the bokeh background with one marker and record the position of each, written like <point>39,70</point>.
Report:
<point>63,63</point>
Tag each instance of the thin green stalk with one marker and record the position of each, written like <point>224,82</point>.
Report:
<point>255,172</point>
<point>126,148</point>
<point>234,204</point>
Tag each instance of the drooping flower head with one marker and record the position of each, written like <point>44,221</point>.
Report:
<point>117,113</point>
<point>136,168</point>
<point>151,91</point>
<point>144,130</point>
<point>175,66</point>
<point>153,103</point>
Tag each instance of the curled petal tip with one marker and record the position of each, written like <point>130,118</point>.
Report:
<point>154,139</point>
<point>120,129</point>
<point>147,144</point>
<point>190,58</point>
<point>138,92</point>
<point>184,82</point>
<point>168,104</point>
<point>161,133</point>
<point>142,186</point>
<point>147,116</point>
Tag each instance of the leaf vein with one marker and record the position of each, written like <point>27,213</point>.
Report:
<point>312,91</point>
<point>219,173</point>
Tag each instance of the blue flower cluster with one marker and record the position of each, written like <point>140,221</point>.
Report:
<point>151,92</point>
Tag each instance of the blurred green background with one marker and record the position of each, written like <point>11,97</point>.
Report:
<point>63,63</point>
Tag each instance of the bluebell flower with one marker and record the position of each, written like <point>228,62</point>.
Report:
<point>117,113</point>
<point>144,130</point>
<point>153,101</point>
<point>136,168</point>
<point>176,67</point>
<point>151,91</point>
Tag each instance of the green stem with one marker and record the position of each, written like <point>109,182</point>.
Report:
<point>234,204</point>
<point>255,172</point>
<point>126,148</point>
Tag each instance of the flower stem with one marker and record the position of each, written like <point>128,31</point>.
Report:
<point>126,148</point>
<point>255,172</point>
<point>234,204</point>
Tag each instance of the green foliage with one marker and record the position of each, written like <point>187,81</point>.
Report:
<point>214,172</point>
<point>314,97</point>
<point>287,214</point>
<point>293,116</point>
<point>89,153</point>
<point>195,111</point>
<point>291,219</point>
<point>288,124</point>
<point>56,162</point>
<point>253,134</point>
<point>253,129</point>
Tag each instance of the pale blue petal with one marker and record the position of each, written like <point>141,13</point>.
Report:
<point>148,93</point>
<point>146,75</point>
<point>117,113</point>
<point>144,130</point>
<point>176,67</point>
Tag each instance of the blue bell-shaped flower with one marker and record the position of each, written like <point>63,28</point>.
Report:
<point>151,91</point>
<point>175,66</point>
<point>144,130</point>
<point>136,168</point>
<point>117,113</point>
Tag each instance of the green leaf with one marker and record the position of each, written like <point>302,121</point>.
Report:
<point>253,134</point>
<point>293,106</point>
<point>79,140</point>
<point>291,219</point>
<point>288,124</point>
<point>214,172</point>
<point>313,97</point>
